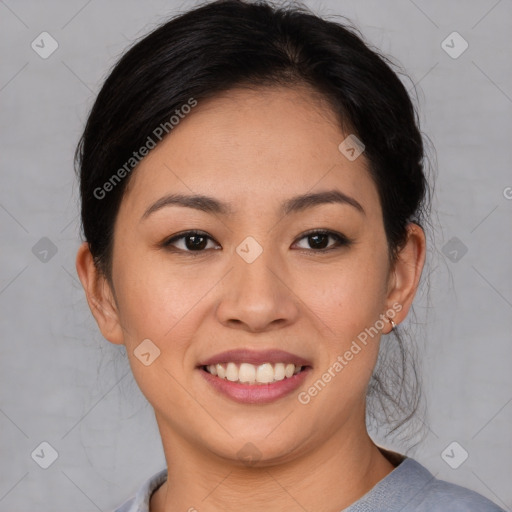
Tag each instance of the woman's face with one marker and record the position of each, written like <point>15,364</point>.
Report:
<point>253,279</point>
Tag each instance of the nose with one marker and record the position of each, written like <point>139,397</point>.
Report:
<point>258,296</point>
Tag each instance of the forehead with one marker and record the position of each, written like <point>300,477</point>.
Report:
<point>248,146</point>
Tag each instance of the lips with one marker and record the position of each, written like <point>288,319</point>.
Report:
<point>246,393</point>
<point>259,357</point>
<point>256,389</point>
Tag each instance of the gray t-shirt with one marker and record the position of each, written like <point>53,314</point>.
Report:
<point>410,487</point>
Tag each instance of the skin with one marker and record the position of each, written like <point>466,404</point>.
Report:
<point>255,149</point>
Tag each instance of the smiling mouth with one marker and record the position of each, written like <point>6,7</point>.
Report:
<point>246,373</point>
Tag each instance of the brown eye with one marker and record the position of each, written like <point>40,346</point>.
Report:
<point>190,241</point>
<point>319,240</point>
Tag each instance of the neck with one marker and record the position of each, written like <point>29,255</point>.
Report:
<point>340,471</point>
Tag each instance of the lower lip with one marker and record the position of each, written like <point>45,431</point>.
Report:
<point>256,393</point>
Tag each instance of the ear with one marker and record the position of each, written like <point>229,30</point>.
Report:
<point>406,272</point>
<point>99,296</point>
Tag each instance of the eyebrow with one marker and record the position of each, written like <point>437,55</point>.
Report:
<point>293,205</point>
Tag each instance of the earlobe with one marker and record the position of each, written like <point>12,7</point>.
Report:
<point>407,271</point>
<point>99,296</point>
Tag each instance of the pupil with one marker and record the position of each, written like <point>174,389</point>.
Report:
<point>318,245</point>
<point>195,245</point>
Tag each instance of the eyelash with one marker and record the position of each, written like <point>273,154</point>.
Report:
<point>341,241</point>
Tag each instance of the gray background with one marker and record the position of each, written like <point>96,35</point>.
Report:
<point>63,384</point>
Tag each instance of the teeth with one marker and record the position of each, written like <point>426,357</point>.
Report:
<point>232,372</point>
<point>251,374</point>
<point>221,372</point>
<point>247,373</point>
<point>279,371</point>
<point>265,373</point>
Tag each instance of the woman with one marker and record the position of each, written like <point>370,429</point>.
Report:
<point>250,260</point>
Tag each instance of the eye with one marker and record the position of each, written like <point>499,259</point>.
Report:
<point>319,239</point>
<point>190,241</point>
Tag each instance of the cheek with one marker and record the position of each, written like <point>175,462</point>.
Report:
<point>350,346</point>
<point>157,307</point>
<point>162,301</point>
<point>350,295</point>
<point>349,298</point>
<point>150,302</point>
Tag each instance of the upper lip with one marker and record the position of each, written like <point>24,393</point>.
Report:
<point>256,357</point>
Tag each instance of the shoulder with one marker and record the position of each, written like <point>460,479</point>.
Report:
<point>441,495</point>
<point>432,494</point>
<point>127,506</point>
<point>410,487</point>
<point>140,502</point>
